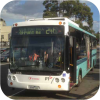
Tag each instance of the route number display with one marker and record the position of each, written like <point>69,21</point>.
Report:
<point>31,30</point>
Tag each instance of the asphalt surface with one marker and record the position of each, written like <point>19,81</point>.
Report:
<point>89,85</point>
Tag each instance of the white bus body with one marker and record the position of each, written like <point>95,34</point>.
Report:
<point>39,82</point>
<point>42,82</point>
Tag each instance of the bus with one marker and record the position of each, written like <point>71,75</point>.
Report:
<point>50,54</point>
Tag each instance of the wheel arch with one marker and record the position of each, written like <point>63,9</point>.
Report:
<point>80,71</point>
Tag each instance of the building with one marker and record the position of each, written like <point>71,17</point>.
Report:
<point>4,31</point>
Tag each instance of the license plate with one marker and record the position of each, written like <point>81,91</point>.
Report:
<point>34,87</point>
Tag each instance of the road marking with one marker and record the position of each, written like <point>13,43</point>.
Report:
<point>16,93</point>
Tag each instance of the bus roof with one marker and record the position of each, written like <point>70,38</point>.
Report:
<point>52,21</point>
<point>80,29</point>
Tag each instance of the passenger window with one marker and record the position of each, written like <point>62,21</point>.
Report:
<point>80,47</point>
<point>80,42</point>
<point>94,43</point>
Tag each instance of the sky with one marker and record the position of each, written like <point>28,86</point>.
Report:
<point>19,10</point>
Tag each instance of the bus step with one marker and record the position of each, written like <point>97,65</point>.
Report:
<point>71,85</point>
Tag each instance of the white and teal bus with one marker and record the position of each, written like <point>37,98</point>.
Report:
<point>50,54</point>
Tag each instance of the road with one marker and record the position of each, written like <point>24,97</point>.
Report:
<point>89,84</point>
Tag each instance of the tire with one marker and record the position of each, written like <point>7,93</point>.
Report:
<point>93,66</point>
<point>79,80</point>
<point>92,69</point>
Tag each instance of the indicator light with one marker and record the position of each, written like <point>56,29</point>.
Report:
<point>69,77</point>
<point>11,83</point>
<point>16,24</point>
<point>60,23</point>
<point>59,86</point>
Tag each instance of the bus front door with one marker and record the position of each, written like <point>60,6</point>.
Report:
<point>73,61</point>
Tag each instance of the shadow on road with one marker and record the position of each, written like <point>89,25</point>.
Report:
<point>48,95</point>
<point>94,74</point>
<point>89,93</point>
<point>4,86</point>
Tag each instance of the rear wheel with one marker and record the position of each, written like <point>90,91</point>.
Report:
<point>93,66</point>
<point>79,80</point>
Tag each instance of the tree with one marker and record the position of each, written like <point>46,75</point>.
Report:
<point>80,11</point>
<point>68,7</point>
<point>97,36</point>
<point>51,8</point>
<point>2,19</point>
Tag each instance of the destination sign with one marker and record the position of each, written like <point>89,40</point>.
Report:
<point>31,30</point>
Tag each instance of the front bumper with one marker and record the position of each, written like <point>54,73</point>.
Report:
<point>42,86</point>
<point>24,81</point>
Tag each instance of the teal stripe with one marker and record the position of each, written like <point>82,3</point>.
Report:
<point>94,54</point>
<point>78,28</point>
<point>83,59</point>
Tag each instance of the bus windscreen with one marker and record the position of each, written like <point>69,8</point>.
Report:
<point>31,30</point>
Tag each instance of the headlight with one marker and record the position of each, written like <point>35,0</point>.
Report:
<point>9,77</point>
<point>63,80</point>
<point>57,80</point>
<point>14,78</point>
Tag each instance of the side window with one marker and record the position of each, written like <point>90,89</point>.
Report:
<point>80,42</point>
<point>80,47</point>
<point>94,43</point>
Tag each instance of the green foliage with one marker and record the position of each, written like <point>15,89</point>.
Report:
<point>97,36</point>
<point>51,8</point>
<point>48,14</point>
<point>81,12</point>
<point>70,8</point>
<point>2,19</point>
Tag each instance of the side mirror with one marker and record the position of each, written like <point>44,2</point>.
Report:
<point>71,41</point>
